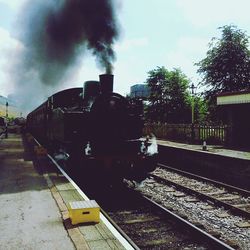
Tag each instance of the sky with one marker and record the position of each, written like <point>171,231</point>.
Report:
<point>169,33</point>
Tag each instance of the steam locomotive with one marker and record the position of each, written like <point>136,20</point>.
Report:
<point>97,129</point>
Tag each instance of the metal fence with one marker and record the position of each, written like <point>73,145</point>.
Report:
<point>183,132</point>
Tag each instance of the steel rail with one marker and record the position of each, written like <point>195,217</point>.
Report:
<point>218,244</point>
<point>217,183</point>
<point>198,232</point>
<point>235,210</point>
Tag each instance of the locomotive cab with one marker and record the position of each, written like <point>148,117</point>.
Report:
<point>91,90</point>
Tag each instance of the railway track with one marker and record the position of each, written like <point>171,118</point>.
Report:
<point>234,199</point>
<point>214,206</point>
<point>152,226</point>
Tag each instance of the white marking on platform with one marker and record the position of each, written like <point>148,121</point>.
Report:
<point>118,236</point>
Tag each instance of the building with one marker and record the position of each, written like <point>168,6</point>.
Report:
<point>237,108</point>
<point>140,90</point>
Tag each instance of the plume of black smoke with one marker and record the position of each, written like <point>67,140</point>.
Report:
<point>55,34</point>
<point>83,21</point>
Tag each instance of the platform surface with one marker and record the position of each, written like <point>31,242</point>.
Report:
<point>211,149</point>
<point>29,216</point>
<point>33,202</point>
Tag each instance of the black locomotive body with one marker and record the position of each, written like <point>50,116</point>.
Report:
<point>96,128</point>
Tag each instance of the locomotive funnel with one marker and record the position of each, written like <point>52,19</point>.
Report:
<point>106,83</point>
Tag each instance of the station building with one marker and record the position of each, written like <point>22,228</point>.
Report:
<point>237,108</point>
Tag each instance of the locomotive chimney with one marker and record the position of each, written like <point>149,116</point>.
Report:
<point>106,83</point>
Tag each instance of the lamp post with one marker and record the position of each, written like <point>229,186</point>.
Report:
<point>6,124</point>
<point>192,119</point>
<point>7,105</point>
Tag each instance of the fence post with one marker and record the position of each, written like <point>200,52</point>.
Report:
<point>192,133</point>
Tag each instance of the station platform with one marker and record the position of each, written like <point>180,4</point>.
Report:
<point>33,198</point>
<point>210,149</point>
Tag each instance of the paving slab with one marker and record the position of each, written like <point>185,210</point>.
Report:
<point>29,216</point>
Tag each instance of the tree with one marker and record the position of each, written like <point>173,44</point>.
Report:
<point>200,109</point>
<point>226,67</point>
<point>169,99</point>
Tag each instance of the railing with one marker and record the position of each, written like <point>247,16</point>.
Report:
<point>183,132</point>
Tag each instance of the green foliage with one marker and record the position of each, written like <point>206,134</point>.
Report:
<point>227,64</point>
<point>169,100</point>
<point>226,67</point>
<point>200,110</point>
